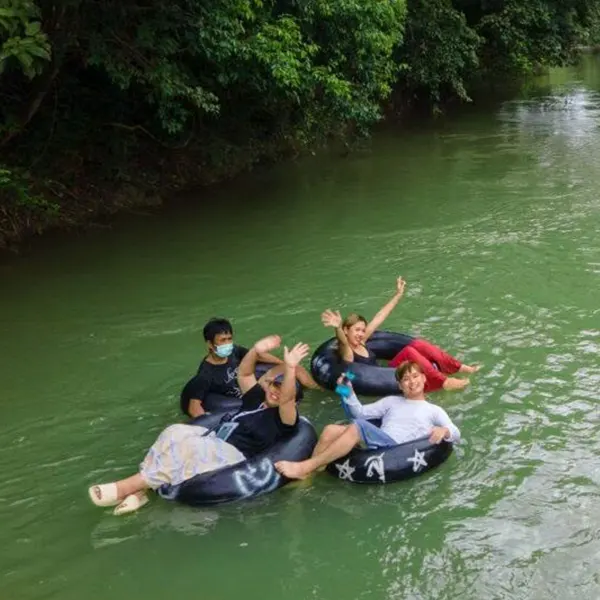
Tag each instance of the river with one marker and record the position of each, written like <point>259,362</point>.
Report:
<point>492,217</point>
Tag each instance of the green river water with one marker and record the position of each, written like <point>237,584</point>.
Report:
<point>491,216</point>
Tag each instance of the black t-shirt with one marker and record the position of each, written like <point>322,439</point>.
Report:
<point>214,379</point>
<point>256,428</point>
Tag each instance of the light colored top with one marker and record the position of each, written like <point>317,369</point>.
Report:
<point>404,420</point>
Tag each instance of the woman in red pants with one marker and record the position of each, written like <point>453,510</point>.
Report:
<point>354,331</point>
<point>436,365</point>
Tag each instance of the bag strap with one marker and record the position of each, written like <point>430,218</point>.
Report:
<point>224,419</point>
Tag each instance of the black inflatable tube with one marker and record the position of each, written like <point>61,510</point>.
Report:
<point>218,403</point>
<point>369,380</point>
<point>250,478</point>
<point>388,465</point>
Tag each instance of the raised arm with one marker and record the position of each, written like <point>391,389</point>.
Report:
<point>331,318</point>
<point>269,359</point>
<point>385,311</point>
<point>444,428</point>
<point>375,410</point>
<point>288,412</point>
<point>246,370</point>
<point>302,375</point>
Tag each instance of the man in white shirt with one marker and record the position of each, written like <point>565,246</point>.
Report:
<point>403,419</point>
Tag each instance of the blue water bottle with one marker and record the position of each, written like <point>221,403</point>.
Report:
<point>342,388</point>
<point>344,391</point>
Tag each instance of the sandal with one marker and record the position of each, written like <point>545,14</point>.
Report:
<point>132,503</point>
<point>104,495</point>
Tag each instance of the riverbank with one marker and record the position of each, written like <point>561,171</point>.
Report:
<point>81,192</point>
<point>99,116</point>
<point>157,174</point>
<point>32,206</point>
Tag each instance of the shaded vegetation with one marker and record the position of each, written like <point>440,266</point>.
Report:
<point>108,103</point>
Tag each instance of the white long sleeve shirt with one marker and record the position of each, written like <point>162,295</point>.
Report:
<point>404,420</point>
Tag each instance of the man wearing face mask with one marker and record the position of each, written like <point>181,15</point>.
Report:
<point>217,373</point>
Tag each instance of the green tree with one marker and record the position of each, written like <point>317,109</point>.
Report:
<point>440,52</point>
<point>23,44</point>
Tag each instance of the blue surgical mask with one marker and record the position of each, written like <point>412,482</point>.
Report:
<point>224,350</point>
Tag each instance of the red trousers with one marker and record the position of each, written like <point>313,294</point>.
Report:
<point>425,354</point>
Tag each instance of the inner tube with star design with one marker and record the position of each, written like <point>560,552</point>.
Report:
<point>388,465</point>
<point>369,380</point>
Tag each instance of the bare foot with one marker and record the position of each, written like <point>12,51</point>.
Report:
<point>453,383</point>
<point>293,470</point>
<point>469,369</point>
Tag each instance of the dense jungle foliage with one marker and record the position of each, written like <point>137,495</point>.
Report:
<point>107,103</point>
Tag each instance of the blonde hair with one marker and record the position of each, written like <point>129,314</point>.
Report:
<point>353,319</point>
<point>349,321</point>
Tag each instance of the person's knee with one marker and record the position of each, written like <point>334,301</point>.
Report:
<point>413,354</point>
<point>418,344</point>
<point>331,432</point>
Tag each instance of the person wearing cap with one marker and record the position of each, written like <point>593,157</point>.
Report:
<point>218,370</point>
<point>181,451</point>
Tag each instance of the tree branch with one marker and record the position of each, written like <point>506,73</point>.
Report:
<point>144,130</point>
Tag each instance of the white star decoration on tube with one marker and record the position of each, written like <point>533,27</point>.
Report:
<point>345,470</point>
<point>418,460</point>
